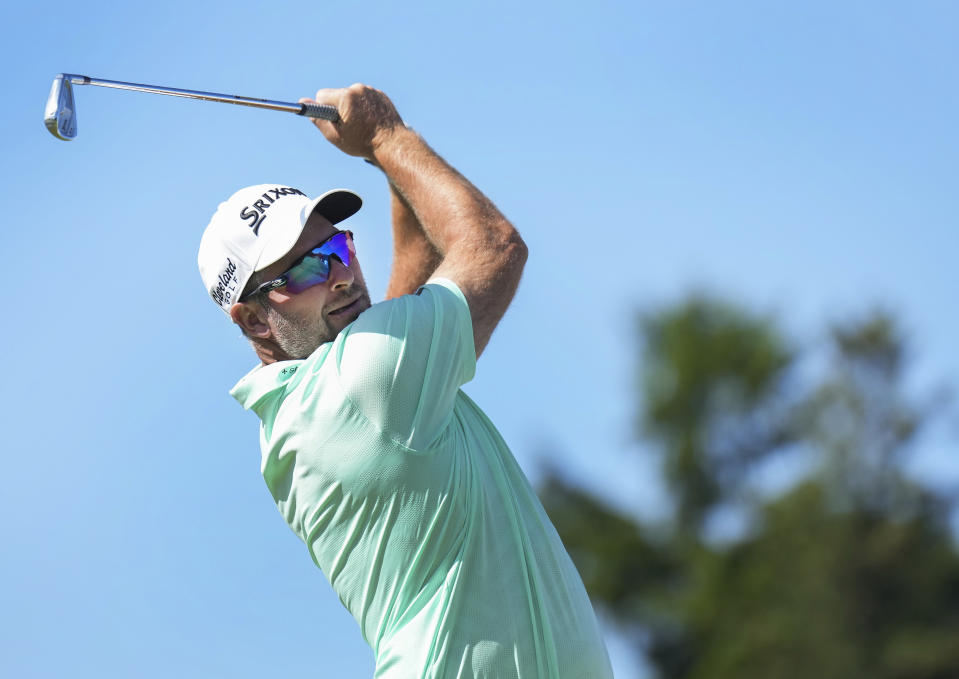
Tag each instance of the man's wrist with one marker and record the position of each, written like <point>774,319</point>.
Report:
<point>388,141</point>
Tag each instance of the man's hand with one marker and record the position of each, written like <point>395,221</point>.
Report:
<point>367,119</point>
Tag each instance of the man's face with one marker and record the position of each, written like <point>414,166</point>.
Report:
<point>299,323</point>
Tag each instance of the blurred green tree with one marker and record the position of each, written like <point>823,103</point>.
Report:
<point>852,571</point>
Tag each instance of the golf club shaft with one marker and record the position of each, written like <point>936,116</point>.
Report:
<point>309,110</point>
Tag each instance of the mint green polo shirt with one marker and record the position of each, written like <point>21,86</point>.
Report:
<point>411,504</point>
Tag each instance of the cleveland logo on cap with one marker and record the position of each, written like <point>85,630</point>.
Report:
<point>226,283</point>
<point>258,214</point>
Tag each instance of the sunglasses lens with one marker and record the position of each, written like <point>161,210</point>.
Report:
<point>340,245</point>
<point>314,268</point>
<point>309,272</point>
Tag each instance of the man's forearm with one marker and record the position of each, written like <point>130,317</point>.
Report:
<point>414,256</point>
<point>449,209</point>
<point>480,250</point>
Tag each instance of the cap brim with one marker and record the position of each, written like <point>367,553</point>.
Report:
<point>337,205</point>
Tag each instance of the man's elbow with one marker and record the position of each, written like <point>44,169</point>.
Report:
<point>515,251</point>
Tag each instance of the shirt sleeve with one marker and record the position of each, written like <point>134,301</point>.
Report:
<point>402,361</point>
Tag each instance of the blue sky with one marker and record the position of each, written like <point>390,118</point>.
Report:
<point>798,157</point>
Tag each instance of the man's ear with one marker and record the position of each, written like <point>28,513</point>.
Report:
<point>251,317</point>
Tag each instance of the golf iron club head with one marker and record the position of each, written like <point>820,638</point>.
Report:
<point>60,115</point>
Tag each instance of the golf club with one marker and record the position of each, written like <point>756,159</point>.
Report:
<point>60,115</point>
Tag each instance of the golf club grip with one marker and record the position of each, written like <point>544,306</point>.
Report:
<point>321,111</point>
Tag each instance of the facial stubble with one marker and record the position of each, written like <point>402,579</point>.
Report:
<point>300,334</point>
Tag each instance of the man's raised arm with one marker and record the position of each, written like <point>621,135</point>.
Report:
<point>480,250</point>
<point>414,257</point>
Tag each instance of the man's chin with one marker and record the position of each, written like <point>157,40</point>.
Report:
<point>349,314</point>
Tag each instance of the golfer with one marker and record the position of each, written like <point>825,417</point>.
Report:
<point>403,491</point>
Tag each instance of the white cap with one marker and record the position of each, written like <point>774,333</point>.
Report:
<point>254,228</point>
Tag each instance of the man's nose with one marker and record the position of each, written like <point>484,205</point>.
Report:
<point>341,276</point>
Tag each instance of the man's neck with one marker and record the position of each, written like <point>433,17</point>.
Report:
<point>269,353</point>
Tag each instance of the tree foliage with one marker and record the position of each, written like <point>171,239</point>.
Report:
<point>852,571</point>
